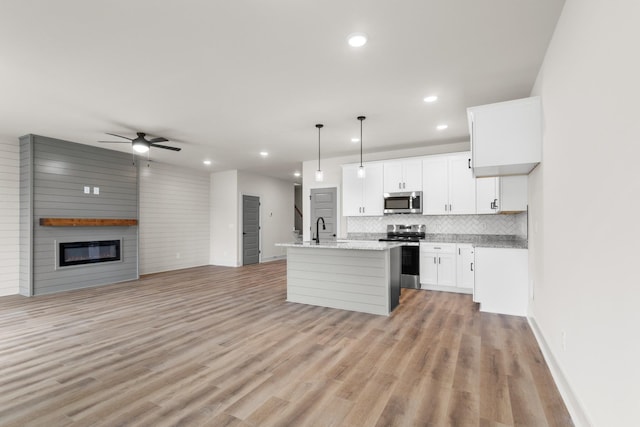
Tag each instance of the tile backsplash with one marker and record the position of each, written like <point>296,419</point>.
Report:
<point>514,224</point>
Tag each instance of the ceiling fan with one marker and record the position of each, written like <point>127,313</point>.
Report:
<point>140,144</point>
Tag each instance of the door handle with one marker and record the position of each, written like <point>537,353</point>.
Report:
<point>471,266</point>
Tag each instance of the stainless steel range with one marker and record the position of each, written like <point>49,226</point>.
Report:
<point>410,274</point>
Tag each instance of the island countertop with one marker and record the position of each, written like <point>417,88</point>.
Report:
<point>360,245</point>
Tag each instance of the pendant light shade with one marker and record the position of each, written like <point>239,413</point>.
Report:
<point>319,174</point>
<point>361,173</point>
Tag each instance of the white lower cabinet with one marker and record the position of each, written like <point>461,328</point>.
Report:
<point>437,265</point>
<point>501,280</point>
<point>447,267</point>
<point>465,266</point>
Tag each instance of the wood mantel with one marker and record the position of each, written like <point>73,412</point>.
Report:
<point>87,222</point>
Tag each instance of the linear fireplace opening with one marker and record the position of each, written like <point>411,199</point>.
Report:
<point>90,252</point>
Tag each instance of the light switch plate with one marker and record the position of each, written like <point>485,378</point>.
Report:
<point>96,190</point>
<point>87,190</point>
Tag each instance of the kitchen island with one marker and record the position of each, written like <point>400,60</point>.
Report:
<point>354,275</point>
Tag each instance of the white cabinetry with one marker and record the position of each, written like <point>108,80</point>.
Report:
<point>501,277</point>
<point>501,194</point>
<point>465,264</point>
<point>402,175</point>
<point>437,264</point>
<point>506,137</point>
<point>448,186</point>
<point>362,196</point>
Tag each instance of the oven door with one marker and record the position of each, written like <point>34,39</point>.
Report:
<point>410,273</point>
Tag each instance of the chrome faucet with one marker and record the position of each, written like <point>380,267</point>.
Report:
<point>317,239</point>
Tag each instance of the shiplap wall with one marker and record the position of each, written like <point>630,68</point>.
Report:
<point>59,172</point>
<point>174,218</point>
<point>9,216</point>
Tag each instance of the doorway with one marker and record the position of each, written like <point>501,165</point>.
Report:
<point>324,204</point>
<point>250,230</point>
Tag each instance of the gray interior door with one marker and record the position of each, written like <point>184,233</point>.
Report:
<point>250,230</point>
<point>324,204</point>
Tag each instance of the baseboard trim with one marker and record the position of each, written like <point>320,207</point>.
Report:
<point>273,258</point>
<point>578,415</point>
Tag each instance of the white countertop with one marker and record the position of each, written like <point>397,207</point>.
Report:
<point>360,245</point>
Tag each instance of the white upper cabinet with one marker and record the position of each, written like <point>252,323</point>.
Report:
<point>506,137</point>
<point>402,175</point>
<point>362,196</point>
<point>448,186</point>
<point>501,194</point>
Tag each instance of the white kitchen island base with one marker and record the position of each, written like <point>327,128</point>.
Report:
<point>365,280</point>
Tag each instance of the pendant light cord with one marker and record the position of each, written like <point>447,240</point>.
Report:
<point>361,118</point>
<point>319,126</point>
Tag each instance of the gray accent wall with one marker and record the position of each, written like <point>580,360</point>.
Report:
<point>53,176</point>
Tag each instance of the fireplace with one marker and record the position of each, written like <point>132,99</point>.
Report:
<point>90,252</point>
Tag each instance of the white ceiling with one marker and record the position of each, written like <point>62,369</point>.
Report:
<point>226,79</point>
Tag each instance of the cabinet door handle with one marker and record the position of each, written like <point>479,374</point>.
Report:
<point>404,185</point>
<point>399,186</point>
<point>469,163</point>
<point>445,207</point>
<point>434,260</point>
<point>471,266</point>
<point>458,251</point>
<point>495,203</point>
<point>363,209</point>
<point>439,260</point>
<point>450,209</point>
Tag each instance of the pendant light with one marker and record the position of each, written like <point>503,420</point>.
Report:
<point>361,168</point>
<point>319,174</point>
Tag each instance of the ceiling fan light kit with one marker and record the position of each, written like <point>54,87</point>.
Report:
<point>140,144</point>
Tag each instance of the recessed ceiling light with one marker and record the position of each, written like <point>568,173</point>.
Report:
<point>357,39</point>
<point>207,162</point>
<point>264,153</point>
<point>296,174</point>
<point>430,98</point>
<point>355,139</point>
<point>442,127</point>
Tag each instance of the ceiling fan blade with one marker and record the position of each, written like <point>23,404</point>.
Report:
<point>159,139</point>
<point>166,147</point>
<point>117,142</point>
<point>119,136</point>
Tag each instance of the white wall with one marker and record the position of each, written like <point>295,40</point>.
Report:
<point>9,216</point>
<point>276,212</point>
<point>224,219</point>
<point>174,218</point>
<point>585,206</point>
<point>333,176</point>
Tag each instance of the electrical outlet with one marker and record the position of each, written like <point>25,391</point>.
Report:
<point>563,338</point>
<point>87,189</point>
<point>96,190</point>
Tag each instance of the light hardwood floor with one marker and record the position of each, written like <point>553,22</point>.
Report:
<point>221,346</point>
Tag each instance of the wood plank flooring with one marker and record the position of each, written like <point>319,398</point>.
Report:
<point>221,347</point>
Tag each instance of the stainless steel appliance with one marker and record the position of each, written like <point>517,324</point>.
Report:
<point>410,269</point>
<point>403,203</point>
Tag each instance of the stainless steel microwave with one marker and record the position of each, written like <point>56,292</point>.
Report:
<point>403,203</point>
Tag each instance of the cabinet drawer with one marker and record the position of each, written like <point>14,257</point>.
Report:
<point>438,247</point>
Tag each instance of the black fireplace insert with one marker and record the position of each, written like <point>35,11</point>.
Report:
<point>77,253</point>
